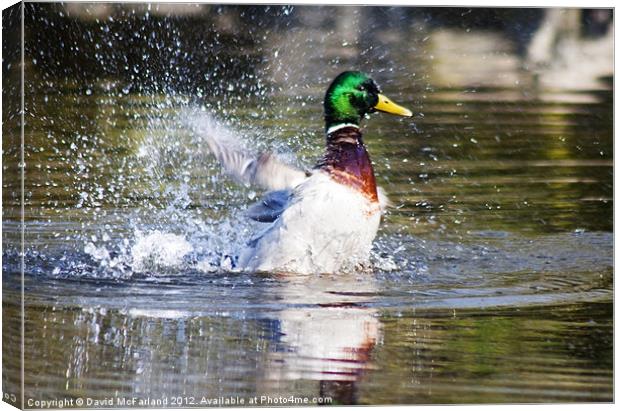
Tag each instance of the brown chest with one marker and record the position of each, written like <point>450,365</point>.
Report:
<point>350,164</point>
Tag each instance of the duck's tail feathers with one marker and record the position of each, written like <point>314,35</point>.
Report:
<point>384,200</point>
<point>264,170</point>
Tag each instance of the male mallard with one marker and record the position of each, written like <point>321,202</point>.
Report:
<point>325,219</point>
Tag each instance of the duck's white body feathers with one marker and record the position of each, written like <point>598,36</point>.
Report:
<point>325,227</point>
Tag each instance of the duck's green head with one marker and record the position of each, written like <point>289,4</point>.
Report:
<point>353,94</point>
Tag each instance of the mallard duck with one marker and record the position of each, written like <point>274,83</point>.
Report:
<point>323,220</point>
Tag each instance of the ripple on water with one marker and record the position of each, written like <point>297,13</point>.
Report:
<point>493,270</point>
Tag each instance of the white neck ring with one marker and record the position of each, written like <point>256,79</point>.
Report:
<point>339,126</point>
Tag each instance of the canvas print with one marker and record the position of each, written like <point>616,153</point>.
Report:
<point>295,205</point>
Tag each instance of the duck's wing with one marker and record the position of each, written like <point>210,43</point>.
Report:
<point>264,170</point>
<point>269,208</point>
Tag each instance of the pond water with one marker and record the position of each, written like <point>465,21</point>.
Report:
<point>492,277</point>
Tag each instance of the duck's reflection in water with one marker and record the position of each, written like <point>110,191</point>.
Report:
<point>327,334</point>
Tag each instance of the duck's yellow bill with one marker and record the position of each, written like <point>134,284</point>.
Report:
<point>388,106</point>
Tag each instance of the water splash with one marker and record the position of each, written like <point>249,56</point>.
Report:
<point>184,220</point>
